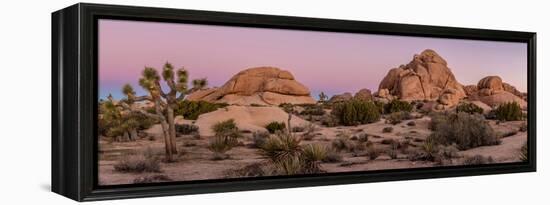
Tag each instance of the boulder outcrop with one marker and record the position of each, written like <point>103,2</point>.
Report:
<point>426,77</point>
<point>261,85</point>
<point>492,91</point>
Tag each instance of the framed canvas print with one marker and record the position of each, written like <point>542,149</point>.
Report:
<point>154,102</point>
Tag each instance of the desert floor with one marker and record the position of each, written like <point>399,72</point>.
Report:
<point>194,162</point>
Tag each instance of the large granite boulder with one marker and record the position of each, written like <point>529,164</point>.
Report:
<point>261,85</point>
<point>492,91</point>
<point>426,77</point>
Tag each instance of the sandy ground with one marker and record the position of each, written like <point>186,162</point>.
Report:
<point>194,162</point>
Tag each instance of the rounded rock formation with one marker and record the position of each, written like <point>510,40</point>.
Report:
<point>261,85</point>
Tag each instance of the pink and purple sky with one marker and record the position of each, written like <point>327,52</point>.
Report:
<point>323,61</point>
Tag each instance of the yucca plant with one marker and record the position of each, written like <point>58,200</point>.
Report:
<point>313,155</point>
<point>219,145</point>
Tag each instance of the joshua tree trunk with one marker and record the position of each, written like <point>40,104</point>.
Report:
<point>133,134</point>
<point>289,128</point>
<point>172,129</point>
<point>164,125</point>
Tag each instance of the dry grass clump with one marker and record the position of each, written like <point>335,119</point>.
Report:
<point>387,129</point>
<point>395,118</point>
<point>152,179</point>
<point>477,160</point>
<point>251,170</point>
<point>139,163</point>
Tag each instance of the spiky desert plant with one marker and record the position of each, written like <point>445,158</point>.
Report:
<point>219,145</point>
<point>164,102</point>
<point>313,155</point>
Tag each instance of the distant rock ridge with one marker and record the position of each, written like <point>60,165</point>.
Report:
<point>426,77</point>
<point>260,85</point>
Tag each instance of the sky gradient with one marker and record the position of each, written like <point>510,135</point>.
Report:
<point>322,61</point>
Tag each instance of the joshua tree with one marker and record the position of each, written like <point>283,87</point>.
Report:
<point>322,97</point>
<point>117,122</point>
<point>199,84</point>
<point>164,102</point>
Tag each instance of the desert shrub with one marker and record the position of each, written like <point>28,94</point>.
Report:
<point>298,129</point>
<point>448,151</point>
<point>152,179</point>
<point>411,123</point>
<point>186,129</point>
<point>397,117</point>
<point>363,137</point>
<point>329,121</point>
<point>219,145</point>
<point>469,108</point>
<point>138,164</point>
<point>313,110</point>
<point>341,143</point>
<point>373,152</point>
<point>309,133</point>
<point>477,160</point>
<point>356,112</point>
<point>251,170</point>
<point>226,128</point>
<point>465,130</point>
<point>392,153</point>
<point>192,109</point>
<point>274,126</point>
<point>509,133</point>
<point>387,141</point>
<point>259,138</point>
<point>397,106</point>
<point>524,153</point>
<point>510,111</point>
<point>333,156</point>
<point>387,129</point>
<point>523,127</point>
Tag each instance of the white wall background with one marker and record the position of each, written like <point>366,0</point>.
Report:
<point>25,102</point>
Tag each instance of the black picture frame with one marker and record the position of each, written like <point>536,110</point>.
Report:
<point>74,100</point>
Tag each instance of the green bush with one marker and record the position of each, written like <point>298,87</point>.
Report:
<point>186,129</point>
<point>510,111</point>
<point>469,108</point>
<point>395,118</point>
<point>465,130</point>
<point>259,138</point>
<point>274,126</point>
<point>397,106</point>
<point>225,127</point>
<point>313,110</point>
<point>192,109</point>
<point>356,112</point>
